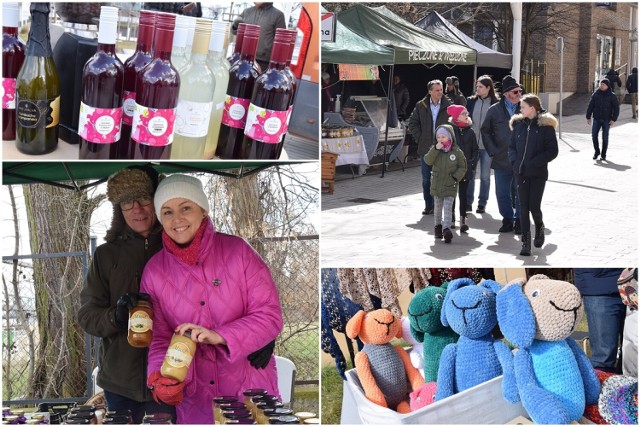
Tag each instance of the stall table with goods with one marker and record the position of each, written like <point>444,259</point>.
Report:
<point>347,143</point>
<point>175,97</point>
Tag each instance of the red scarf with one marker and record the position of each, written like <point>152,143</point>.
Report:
<point>189,253</point>
<point>462,124</point>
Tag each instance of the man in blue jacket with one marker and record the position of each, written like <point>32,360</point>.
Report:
<point>605,109</point>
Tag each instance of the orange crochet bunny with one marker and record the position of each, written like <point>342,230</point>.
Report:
<point>385,372</point>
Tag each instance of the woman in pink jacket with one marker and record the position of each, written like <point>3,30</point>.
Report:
<point>216,286</point>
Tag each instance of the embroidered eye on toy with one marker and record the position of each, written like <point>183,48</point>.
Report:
<point>553,376</point>
<point>385,371</point>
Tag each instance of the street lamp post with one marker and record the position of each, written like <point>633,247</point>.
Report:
<point>560,49</point>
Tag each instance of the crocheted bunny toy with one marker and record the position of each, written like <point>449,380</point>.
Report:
<point>424,315</point>
<point>416,354</point>
<point>553,376</point>
<point>477,357</point>
<point>385,371</point>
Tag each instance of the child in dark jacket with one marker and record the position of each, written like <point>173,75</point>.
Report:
<point>466,139</point>
<point>448,168</point>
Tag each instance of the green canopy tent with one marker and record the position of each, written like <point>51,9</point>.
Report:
<point>67,174</point>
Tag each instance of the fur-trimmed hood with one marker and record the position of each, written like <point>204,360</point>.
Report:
<point>544,119</point>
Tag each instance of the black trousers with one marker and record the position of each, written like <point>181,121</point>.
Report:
<point>462,196</point>
<point>530,191</point>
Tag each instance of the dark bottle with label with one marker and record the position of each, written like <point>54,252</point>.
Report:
<point>132,66</point>
<point>237,47</point>
<point>242,77</point>
<point>12,58</point>
<point>157,88</point>
<point>38,89</point>
<point>267,119</point>
<point>100,119</point>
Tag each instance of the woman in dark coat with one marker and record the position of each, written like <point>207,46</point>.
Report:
<point>533,145</point>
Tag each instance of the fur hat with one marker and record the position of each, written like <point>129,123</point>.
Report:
<point>178,186</point>
<point>509,83</point>
<point>454,111</point>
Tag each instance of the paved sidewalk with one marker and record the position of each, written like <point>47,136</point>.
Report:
<point>590,211</point>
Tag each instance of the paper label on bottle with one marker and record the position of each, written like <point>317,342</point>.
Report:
<point>99,125</point>
<point>178,355</point>
<point>140,322</point>
<point>153,126</point>
<point>128,106</point>
<point>235,112</point>
<point>32,113</point>
<point>192,118</point>
<point>8,93</point>
<point>268,126</point>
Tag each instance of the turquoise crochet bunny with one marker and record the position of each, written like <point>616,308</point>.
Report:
<point>424,316</point>
<point>553,376</point>
<point>477,357</point>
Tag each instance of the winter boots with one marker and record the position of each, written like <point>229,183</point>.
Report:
<point>448,235</point>
<point>438,231</point>
<point>517,228</point>
<point>463,224</point>
<point>507,226</point>
<point>526,244</point>
<point>538,241</point>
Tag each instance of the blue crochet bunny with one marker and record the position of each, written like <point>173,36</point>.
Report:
<point>424,316</point>
<point>477,357</point>
<point>553,376</point>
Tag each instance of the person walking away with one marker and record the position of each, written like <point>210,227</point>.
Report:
<point>269,19</point>
<point>466,140</point>
<point>615,83</point>
<point>429,112</point>
<point>533,145</point>
<point>605,109</point>
<point>496,136</point>
<point>453,91</point>
<point>605,314</point>
<point>449,168</point>
<point>478,105</point>
<point>402,98</point>
<point>632,87</point>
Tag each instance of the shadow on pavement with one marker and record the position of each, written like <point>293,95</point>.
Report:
<point>610,165</point>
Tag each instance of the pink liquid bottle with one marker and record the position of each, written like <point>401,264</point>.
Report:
<point>12,58</point>
<point>132,66</point>
<point>267,119</point>
<point>242,77</point>
<point>157,87</point>
<point>100,119</point>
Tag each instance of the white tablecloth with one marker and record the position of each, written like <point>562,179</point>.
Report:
<point>350,150</point>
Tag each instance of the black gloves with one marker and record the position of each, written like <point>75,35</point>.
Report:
<point>260,359</point>
<point>125,303</point>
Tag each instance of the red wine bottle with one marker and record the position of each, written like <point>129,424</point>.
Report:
<point>12,58</point>
<point>132,66</point>
<point>268,112</point>
<point>293,34</point>
<point>237,47</point>
<point>100,118</point>
<point>242,77</point>
<point>157,88</point>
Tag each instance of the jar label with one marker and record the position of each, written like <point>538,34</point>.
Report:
<point>178,355</point>
<point>140,322</point>
<point>266,125</point>
<point>128,106</point>
<point>192,118</point>
<point>153,126</point>
<point>99,125</point>
<point>235,112</point>
<point>32,113</point>
<point>8,93</point>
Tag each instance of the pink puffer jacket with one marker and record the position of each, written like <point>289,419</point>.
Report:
<point>229,290</point>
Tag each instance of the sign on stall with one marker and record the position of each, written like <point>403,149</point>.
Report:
<point>328,27</point>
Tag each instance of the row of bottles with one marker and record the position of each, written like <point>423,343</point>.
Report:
<point>175,97</point>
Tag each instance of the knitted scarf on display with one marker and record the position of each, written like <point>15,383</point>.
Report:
<point>189,253</point>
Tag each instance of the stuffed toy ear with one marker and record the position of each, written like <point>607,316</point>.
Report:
<point>453,286</point>
<point>491,285</point>
<point>354,324</point>
<point>515,315</point>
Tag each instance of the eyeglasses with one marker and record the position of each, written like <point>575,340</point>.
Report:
<point>127,206</point>
<point>516,92</point>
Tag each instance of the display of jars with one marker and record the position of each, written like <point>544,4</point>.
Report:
<point>224,400</point>
<point>179,356</point>
<point>140,325</point>
<point>284,419</point>
<point>251,393</point>
<point>159,418</point>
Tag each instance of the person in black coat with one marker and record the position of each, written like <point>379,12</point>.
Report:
<point>466,139</point>
<point>533,145</point>
<point>605,110</point>
<point>632,87</point>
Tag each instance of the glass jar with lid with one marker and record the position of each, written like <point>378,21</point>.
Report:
<point>179,356</point>
<point>263,406</point>
<point>238,414</point>
<point>305,415</point>
<point>251,393</point>
<point>311,421</point>
<point>223,400</point>
<point>140,324</point>
<point>284,419</point>
<point>265,398</point>
<point>159,418</point>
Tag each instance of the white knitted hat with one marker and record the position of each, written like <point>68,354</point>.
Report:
<point>178,186</point>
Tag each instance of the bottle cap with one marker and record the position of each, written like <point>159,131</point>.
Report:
<point>202,36</point>
<point>165,21</point>
<point>10,14</point>
<point>191,25</point>
<point>147,18</point>
<point>251,31</point>
<point>218,36</point>
<point>108,29</point>
<point>181,31</point>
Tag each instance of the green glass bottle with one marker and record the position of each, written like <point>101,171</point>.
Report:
<point>38,89</point>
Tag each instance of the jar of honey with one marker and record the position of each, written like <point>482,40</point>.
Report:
<point>241,421</point>
<point>263,406</point>
<point>178,358</point>
<point>238,414</point>
<point>264,398</point>
<point>284,419</point>
<point>140,324</point>
<point>305,416</point>
<point>222,400</point>
<point>271,413</point>
<point>159,418</point>
<point>251,393</point>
